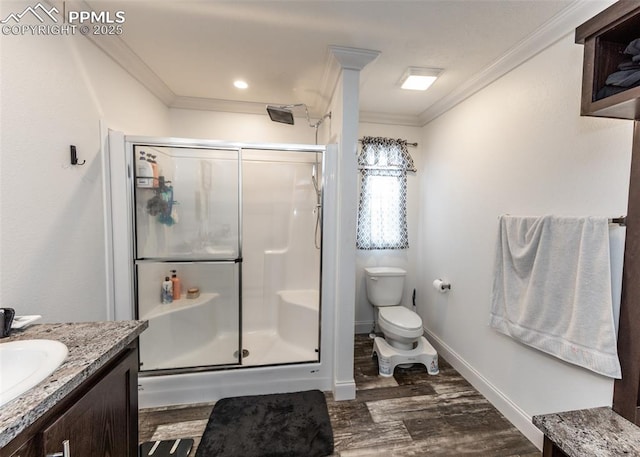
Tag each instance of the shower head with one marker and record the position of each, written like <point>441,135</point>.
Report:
<point>282,114</point>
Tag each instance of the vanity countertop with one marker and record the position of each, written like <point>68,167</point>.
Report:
<point>91,345</point>
<point>598,432</point>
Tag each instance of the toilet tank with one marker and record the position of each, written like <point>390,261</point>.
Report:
<point>384,285</point>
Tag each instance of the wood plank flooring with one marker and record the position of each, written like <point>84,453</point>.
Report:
<point>411,414</point>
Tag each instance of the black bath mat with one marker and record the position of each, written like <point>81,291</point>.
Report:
<point>278,425</point>
<point>166,448</point>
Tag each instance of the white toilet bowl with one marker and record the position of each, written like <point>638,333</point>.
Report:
<point>401,326</point>
<point>403,343</point>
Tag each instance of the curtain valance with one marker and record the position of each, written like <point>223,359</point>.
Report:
<point>385,153</point>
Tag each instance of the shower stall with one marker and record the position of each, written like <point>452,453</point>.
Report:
<point>240,226</point>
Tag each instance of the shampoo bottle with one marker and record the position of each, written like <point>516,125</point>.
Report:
<point>167,291</point>
<point>156,171</point>
<point>175,281</point>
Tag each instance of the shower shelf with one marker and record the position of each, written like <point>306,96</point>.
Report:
<point>179,305</point>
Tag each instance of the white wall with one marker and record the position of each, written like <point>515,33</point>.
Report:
<point>403,258</point>
<point>247,128</point>
<point>520,147</point>
<point>55,90</point>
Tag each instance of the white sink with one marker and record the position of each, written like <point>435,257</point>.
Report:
<point>23,364</point>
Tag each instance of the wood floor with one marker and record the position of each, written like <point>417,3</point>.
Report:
<point>411,414</point>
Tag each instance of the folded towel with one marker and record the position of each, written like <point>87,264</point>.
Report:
<point>623,78</point>
<point>552,289</point>
<point>633,48</point>
<point>630,64</point>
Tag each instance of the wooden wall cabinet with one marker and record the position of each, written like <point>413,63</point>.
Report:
<point>605,38</point>
<point>98,419</point>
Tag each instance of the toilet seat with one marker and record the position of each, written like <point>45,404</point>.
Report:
<point>400,321</point>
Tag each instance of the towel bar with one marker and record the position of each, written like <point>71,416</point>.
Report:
<point>622,221</point>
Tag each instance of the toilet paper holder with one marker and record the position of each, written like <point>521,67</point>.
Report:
<point>441,286</point>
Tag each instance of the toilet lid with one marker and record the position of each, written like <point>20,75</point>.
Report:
<point>401,317</point>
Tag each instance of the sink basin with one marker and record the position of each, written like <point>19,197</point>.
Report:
<point>23,364</point>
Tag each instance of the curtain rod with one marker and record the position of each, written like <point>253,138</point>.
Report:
<point>408,144</point>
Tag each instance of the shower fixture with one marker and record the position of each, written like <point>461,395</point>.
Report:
<point>281,114</point>
<point>284,114</point>
<point>314,180</point>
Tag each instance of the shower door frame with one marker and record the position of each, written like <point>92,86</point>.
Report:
<point>129,159</point>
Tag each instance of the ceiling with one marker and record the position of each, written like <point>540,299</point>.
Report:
<point>190,52</point>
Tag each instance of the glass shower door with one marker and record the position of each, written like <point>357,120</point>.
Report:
<point>187,222</point>
<point>187,203</point>
<point>281,214</point>
<point>192,331</point>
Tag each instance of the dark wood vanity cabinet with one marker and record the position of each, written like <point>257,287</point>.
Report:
<point>605,38</point>
<point>549,449</point>
<point>28,449</point>
<point>98,419</point>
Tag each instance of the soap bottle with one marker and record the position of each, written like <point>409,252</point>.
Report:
<point>167,291</point>
<point>176,285</point>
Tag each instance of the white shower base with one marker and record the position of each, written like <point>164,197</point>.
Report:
<point>268,348</point>
<point>294,338</point>
<point>282,358</point>
<point>265,347</point>
<point>295,335</point>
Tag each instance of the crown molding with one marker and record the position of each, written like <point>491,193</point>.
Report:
<point>231,106</point>
<point>342,57</point>
<point>328,82</point>
<point>408,120</point>
<point>123,55</point>
<point>549,33</point>
<point>213,104</point>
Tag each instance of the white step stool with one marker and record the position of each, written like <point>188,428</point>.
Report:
<point>390,357</point>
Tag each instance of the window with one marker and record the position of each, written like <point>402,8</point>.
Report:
<point>382,213</point>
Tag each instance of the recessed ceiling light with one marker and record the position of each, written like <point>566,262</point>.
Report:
<point>415,78</point>
<point>240,84</point>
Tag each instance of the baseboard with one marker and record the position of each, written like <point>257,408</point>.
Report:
<point>363,327</point>
<point>345,390</point>
<point>510,410</point>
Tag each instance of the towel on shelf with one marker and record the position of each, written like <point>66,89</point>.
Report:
<point>552,289</point>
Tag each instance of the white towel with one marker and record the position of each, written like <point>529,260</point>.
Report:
<point>552,289</point>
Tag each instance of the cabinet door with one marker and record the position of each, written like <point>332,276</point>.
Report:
<point>103,422</point>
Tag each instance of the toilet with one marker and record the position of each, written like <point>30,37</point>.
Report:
<point>403,343</point>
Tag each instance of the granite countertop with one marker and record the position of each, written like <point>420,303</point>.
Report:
<point>91,345</point>
<point>598,432</point>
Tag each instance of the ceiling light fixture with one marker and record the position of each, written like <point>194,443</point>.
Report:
<point>240,84</point>
<point>416,78</point>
